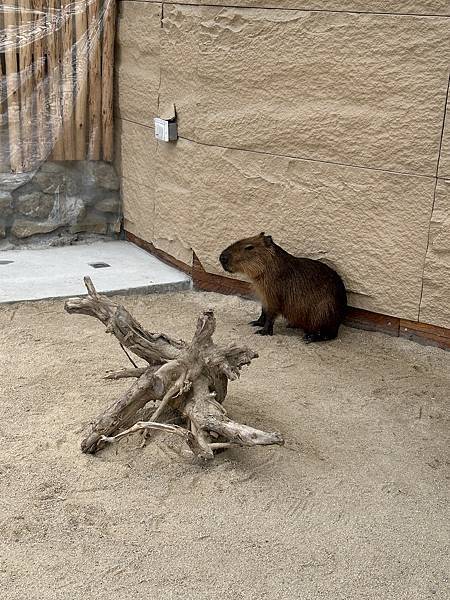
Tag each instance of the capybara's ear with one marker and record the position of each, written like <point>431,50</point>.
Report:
<point>262,234</point>
<point>268,241</point>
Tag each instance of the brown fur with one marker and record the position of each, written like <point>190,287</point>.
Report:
<point>308,293</point>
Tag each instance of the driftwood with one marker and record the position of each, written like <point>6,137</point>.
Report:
<point>183,383</point>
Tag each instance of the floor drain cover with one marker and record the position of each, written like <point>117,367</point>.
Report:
<point>6,262</point>
<point>99,265</point>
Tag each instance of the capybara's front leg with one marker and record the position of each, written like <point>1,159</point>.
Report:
<point>260,321</point>
<point>268,325</point>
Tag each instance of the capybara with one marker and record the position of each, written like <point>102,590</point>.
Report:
<point>308,293</point>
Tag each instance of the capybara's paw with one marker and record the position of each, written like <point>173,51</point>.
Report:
<point>263,332</point>
<point>308,338</point>
<point>256,323</point>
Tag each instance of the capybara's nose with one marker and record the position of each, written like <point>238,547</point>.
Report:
<point>224,260</point>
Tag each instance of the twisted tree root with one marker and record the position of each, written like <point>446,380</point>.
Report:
<point>189,380</point>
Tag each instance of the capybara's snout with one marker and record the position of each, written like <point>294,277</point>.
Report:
<point>224,259</point>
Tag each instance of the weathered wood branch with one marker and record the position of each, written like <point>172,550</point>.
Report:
<point>185,380</point>
<point>154,348</point>
<point>126,373</point>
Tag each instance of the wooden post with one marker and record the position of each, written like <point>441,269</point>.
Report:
<point>41,117</point>
<point>55,82</point>
<point>81,50</point>
<point>95,89</point>
<point>4,141</point>
<point>68,80</point>
<point>109,21</point>
<point>12,87</point>
<point>26,84</point>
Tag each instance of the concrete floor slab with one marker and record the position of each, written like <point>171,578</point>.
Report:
<point>58,272</point>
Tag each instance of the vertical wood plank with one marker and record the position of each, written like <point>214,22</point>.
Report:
<point>68,80</point>
<point>4,140</point>
<point>81,51</point>
<point>12,87</point>
<point>95,89</point>
<point>40,100</point>
<point>55,80</point>
<point>107,78</point>
<point>25,43</point>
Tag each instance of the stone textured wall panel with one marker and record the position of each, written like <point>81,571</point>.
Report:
<point>435,305</point>
<point>444,161</point>
<point>138,208</point>
<point>262,89</point>
<point>173,247</point>
<point>138,61</point>
<point>138,149</point>
<point>371,226</point>
<point>356,89</point>
<point>415,7</point>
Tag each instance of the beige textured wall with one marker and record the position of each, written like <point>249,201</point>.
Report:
<point>319,122</point>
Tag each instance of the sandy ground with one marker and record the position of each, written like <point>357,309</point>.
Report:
<point>354,506</point>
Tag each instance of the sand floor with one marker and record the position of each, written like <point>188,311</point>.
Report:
<point>354,506</point>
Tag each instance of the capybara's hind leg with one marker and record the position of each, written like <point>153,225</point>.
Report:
<point>308,338</point>
<point>260,320</point>
<point>320,336</point>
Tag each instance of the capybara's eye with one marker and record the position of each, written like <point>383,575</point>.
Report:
<point>249,247</point>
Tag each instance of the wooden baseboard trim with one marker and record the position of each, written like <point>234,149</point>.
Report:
<point>210,282</point>
<point>166,258</point>
<point>422,333</point>
<point>371,321</point>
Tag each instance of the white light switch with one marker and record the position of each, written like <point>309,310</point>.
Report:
<point>165,131</point>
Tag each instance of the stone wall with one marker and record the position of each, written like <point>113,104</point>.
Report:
<point>58,202</point>
<point>322,123</point>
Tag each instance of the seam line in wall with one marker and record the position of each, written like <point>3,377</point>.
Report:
<point>306,10</point>
<point>306,159</point>
<point>434,195</point>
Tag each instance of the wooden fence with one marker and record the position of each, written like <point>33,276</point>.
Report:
<point>56,73</point>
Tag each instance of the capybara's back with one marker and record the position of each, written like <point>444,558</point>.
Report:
<point>308,293</point>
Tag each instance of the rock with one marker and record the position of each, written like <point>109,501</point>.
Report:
<point>58,196</point>
<point>5,245</point>
<point>11,181</point>
<point>35,205</point>
<point>2,231</point>
<point>23,228</point>
<point>90,227</point>
<point>102,174</point>
<point>64,239</point>
<point>68,210</point>
<point>55,166</point>
<point>51,182</point>
<point>94,222</point>
<point>5,204</point>
<point>109,204</point>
